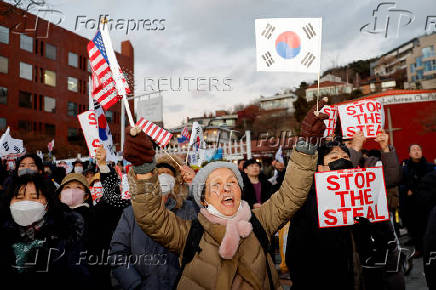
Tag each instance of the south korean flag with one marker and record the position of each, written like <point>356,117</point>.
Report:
<point>288,44</point>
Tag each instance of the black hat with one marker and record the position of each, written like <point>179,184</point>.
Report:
<point>250,161</point>
<point>166,165</point>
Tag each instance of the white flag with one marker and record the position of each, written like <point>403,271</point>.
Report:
<point>197,136</point>
<point>279,155</point>
<point>120,81</point>
<point>89,125</point>
<point>10,146</point>
<point>288,44</point>
<point>104,132</point>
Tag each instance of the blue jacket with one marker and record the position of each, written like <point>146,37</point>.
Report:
<point>140,263</point>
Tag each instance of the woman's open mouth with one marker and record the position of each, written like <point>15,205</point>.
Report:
<point>228,201</point>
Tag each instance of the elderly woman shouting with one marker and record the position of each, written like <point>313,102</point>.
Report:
<point>226,246</point>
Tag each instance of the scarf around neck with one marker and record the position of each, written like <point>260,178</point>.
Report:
<point>237,227</point>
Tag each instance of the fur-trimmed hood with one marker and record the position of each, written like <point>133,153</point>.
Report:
<point>180,192</point>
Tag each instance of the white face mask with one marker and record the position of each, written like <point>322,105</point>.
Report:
<point>166,182</point>
<point>78,169</point>
<point>212,210</point>
<point>27,212</point>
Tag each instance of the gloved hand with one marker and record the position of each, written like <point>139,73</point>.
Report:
<point>313,124</point>
<point>138,149</point>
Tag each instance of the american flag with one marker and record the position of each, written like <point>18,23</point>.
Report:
<point>161,136</point>
<point>50,145</point>
<point>185,133</point>
<point>104,88</point>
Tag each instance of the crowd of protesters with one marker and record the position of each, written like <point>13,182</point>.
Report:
<point>215,228</point>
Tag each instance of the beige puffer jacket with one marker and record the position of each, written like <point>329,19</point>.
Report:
<point>207,270</point>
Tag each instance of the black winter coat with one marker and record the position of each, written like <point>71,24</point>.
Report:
<point>331,258</point>
<point>101,220</point>
<point>249,194</point>
<point>55,260</point>
<point>430,251</point>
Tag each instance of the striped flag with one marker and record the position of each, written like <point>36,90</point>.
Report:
<point>50,145</point>
<point>104,87</point>
<point>185,133</point>
<point>161,136</point>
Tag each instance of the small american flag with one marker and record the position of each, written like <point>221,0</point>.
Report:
<point>185,133</point>
<point>50,145</point>
<point>161,136</point>
<point>104,88</point>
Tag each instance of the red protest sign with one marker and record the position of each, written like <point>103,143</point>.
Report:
<point>366,116</point>
<point>345,194</point>
<point>330,123</point>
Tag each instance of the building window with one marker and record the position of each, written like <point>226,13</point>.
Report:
<point>419,74</point>
<point>412,68</point>
<point>3,96</point>
<point>419,61</point>
<point>50,129</point>
<point>413,79</point>
<point>50,51</point>
<point>4,34</point>
<point>26,42</point>
<point>427,66</point>
<point>109,116</point>
<point>72,59</point>
<point>71,109</point>
<point>49,104</point>
<point>4,64</point>
<point>25,125</point>
<point>2,123</point>
<point>73,134</point>
<point>428,51</point>
<point>50,78</point>
<point>26,71</point>
<point>25,99</point>
<point>72,84</point>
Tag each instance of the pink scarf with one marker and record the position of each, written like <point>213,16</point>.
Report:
<point>237,227</point>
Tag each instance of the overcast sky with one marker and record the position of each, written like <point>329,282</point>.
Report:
<point>216,39</point>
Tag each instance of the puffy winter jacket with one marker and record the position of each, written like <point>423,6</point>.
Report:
<point>247,269</point>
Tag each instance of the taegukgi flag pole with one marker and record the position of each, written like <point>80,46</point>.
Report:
<point>115,68</point>
<point>289,44</point>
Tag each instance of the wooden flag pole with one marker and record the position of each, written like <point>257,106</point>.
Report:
<point>187,154</point>
<point>317,95</point>
<point>172,158</point>
<point>129,113</point>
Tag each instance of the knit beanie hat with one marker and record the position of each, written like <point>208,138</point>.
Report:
<point>199,181</point>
